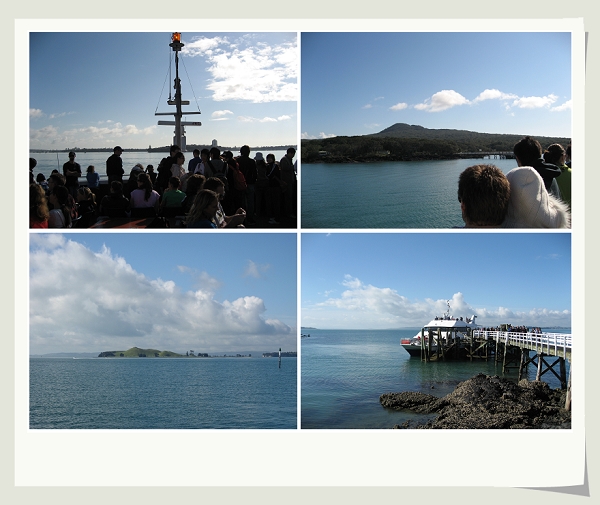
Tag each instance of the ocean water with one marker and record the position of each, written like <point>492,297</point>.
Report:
<point>345,371</point>
<point>46,162</point>
<point>130,393</point>
<point>402,194</point>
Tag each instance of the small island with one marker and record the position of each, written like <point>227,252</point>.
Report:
<point>136,352</point>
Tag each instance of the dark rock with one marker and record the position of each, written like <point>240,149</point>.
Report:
<point>486,402</point>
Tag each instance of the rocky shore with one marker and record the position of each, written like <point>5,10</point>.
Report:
<point>486,402</point>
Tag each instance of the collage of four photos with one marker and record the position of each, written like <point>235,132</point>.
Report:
<point>301,230</point>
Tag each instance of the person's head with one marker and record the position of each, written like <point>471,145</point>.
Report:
<point>204,154</point>
<point>72,157</point>
<point>245,150</point>
<point>483,193</point>
<point>38,204</point>
<point>150,169</point>
<point>174,149</point>
<point>568,152</point>
<point>91,169</point>
<point>59,196</point>
<point>40,178</point>
<point>205,206</point>
<point>215,153</point>
<point>194,184</point>
<point>215,184</point>
<point>116,187</point>
<point>555,154</point>
<point>117,150</point>
<point>174,183</point>
<point>527,151</point>
<point>179,158</point>
<point>531,206</point>
<point>56,179</point>
<point>32,164</point>
<point>196,153</point>
<point>207,203</point>
<point>227,155</point>
<point>85,193</point>
<point>291,152</point>
<point>259,157</point>
<point>143,181</point>
<point>270,158</point>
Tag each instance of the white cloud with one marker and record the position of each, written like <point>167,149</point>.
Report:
<point>255,270</point>
<point>220,113</point>
<point>36,113</point>
<point>368,106</point>
<point>494,94</point>
<point>568,105</point>
<point>85,301</point>
<point>323,135</point>
<point>399,106</point>
<point>442,100</point>
<point>370,307</point>
<point>258,73</point>
<point>534,102</point>
<point>285,117</point>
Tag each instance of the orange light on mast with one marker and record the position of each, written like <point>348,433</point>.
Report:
<point>176,37</point>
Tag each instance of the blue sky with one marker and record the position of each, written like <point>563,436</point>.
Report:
<point>176,291</point>
<point>98,89</point>
<point>390,280</point>
<point>362,83</point>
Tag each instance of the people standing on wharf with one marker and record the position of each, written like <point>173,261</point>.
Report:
<point>72,173</point>
<point>201,166</point>
<point>528,153</point>
<point>114,165</point>
<point>483,194</point>
<point>288,177</point>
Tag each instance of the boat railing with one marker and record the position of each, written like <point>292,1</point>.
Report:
<point>549,343</point>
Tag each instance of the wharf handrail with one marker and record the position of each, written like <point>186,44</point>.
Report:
<point>551,341</point>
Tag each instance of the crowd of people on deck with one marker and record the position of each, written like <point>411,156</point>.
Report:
<point>536,194</point>
<point>218,190</point>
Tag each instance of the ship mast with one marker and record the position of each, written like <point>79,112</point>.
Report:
<point>179,133</point>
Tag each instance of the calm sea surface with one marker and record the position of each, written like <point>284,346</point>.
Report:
<point>130,393</point>
<point>46,162</point>
<point>345,371</point>
<point>407,194</point>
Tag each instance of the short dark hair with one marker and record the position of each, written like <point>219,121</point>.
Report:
<point>174,181</point>
<point>528,151</point>
<point>174,148</point>
<point>554,153</point>
<point>245,150</point>
<point>484,190</point>
<point>58,179</point>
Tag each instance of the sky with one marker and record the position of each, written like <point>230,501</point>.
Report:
<point>511,83</point>
<point>113,291</point>
<point>403,280</point>
<point>98,89</point>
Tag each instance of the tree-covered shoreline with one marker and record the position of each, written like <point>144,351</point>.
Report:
<point>402,142</point>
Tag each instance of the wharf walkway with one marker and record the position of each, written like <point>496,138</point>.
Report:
<point>515,350</point>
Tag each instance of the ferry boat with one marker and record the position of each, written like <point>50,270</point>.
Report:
<point>442,330</point>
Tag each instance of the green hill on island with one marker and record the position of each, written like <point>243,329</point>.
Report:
<point>136,352</point>
<point>404,142</point>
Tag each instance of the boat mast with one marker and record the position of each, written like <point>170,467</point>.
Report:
<point>179,134</point>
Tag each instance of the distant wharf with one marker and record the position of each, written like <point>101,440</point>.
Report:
<point>500,155</point>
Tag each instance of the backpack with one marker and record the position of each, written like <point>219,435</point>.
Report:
<point>240,180</point>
